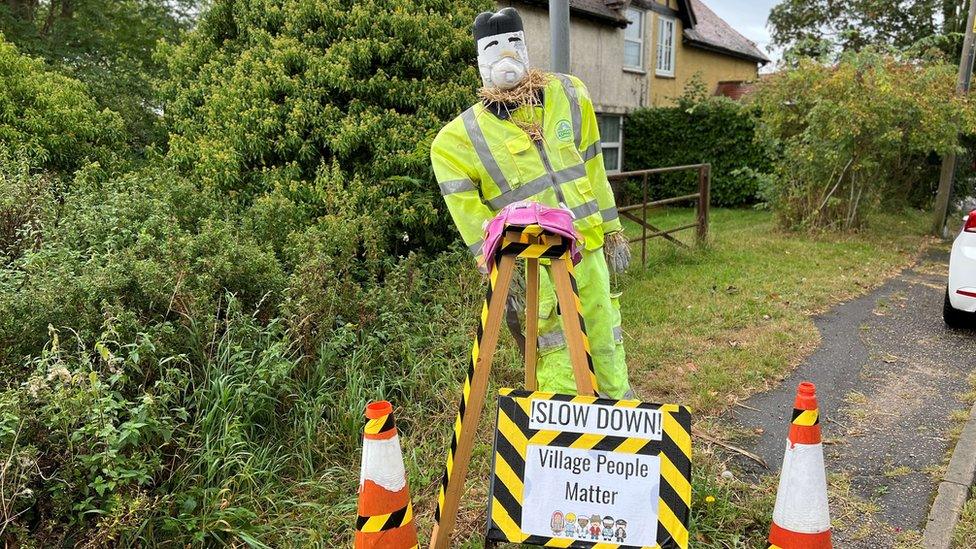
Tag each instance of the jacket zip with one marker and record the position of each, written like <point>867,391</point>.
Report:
<point>552,174</point>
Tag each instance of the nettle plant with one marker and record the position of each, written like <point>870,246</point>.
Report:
<point>852,133</point>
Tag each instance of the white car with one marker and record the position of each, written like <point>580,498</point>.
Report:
<point>960,299</point>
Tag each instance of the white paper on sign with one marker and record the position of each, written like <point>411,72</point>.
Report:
<point>616,493</point>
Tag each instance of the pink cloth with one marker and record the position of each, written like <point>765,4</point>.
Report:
<point>522,214</point>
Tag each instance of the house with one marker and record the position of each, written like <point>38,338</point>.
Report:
<point>638,53</point>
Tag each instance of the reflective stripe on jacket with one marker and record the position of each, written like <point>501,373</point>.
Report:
<point>483,163</point>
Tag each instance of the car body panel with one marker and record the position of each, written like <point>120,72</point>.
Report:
<point>962,272</point>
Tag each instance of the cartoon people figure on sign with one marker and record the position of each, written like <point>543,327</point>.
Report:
<point>621,532</point>
<point>595,527</point>
<point>607,528</point>
<point>570,525</point>
<point>581,522</point>
<point>557,523</point>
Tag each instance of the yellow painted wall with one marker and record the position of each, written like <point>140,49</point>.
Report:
<point>712,67</point>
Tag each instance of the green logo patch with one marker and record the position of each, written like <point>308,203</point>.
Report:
<point>564,131</point>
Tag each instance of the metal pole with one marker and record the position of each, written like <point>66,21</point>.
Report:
<point>559,35</point>
<point>949,162</point>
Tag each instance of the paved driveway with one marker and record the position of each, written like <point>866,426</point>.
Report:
<point>889,376</point>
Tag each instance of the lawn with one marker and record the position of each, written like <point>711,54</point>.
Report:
<point>707,326</point>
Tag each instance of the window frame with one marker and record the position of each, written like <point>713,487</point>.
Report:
<point>642,17</point>
<point>659,44</point>
<point>618,144</point>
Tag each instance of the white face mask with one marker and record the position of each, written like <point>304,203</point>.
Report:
<point>503,60</point>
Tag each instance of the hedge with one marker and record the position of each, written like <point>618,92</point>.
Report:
<point>713,130</point>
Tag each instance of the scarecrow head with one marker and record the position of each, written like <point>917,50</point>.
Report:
<point>502,57</point>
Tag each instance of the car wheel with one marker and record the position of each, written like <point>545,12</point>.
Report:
<point>954,318</point>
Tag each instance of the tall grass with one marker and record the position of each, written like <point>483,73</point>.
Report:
<point>248,440</point>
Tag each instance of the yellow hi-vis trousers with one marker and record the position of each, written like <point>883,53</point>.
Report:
<point>601,314</point>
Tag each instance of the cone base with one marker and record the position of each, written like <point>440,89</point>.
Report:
<point>400,538</point>
<point>781,538</point>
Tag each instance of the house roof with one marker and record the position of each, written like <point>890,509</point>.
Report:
<point>607,11</point>
<point>703,28</point>
<point>601,9</point>
<point>711,32</point>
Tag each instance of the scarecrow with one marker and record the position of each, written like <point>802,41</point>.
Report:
<point>534,136</point>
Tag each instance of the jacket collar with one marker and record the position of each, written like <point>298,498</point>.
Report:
<point>503,110</point>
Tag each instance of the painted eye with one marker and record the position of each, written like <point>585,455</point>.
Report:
<point>514,39</point>
<point>490,44</point>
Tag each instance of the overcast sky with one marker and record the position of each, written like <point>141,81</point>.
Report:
<point>748,17</point>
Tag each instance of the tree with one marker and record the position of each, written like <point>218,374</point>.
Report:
<point>815,27</point>
<point>855,133</point>
<point>108,44</point>
<point>50,119</point>
<point>330,104</point>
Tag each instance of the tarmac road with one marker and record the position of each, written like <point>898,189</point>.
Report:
<point>889,375</point>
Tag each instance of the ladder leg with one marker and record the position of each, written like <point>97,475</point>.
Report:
<point>472,402</point>
<point>574,326</point>
<point>531,323</point>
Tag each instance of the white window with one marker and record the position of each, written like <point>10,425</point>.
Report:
<point>634,40</point>
<point>665,45</point>
<point>611,136</point>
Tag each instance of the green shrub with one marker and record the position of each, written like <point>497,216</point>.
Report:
<point>143,248</point>
<point>238,437</point>
<point>856,132</point>
<point>699,129</point>
<point>26,200</point>
<point>187,348</point>
<point>50,118</point>
<point>180,372</point>
<point>267,95</point>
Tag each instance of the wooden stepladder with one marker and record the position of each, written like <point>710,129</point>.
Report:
<point>531,243</point>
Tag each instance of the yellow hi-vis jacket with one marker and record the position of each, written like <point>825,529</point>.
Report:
<point>484,163</point>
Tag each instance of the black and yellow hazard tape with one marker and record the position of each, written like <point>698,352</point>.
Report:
<point>586,340</point>
<point>525,250</point>
<point>513,436</point>
<point>805,418</point>
<point>560,248</point>
<point>543,250</point>
<point>382,523</point>
<point>380,425</point>
<point>466,391</point>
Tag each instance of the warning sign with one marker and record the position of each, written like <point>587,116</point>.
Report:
<point>574,471</point>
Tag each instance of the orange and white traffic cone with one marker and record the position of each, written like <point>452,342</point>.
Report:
<point>801,518</point>
<point>385,515</point>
